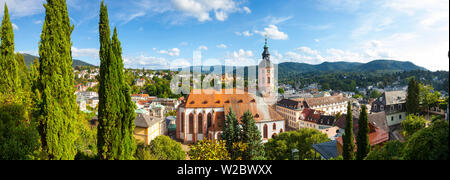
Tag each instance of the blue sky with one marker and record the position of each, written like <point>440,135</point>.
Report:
<point>159,33</point>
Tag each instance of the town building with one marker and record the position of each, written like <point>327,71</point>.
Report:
<point>330,105</point>
<point>147,128</point>
<point>202,114</point>
<point>378,129</point>
<point>290,110</point>
<point>393,103</point>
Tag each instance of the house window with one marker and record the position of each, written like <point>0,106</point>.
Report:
<point>268,80</point>
<point>400,116</point>
<point>392,118</point>
<point>274,126</point>
<point>266,129</point>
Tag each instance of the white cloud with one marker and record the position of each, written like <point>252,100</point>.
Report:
<point>222,46</point>
<point>37,22</point>
<point>22,8</point>
<point>247,10</point>
<point>89,52</point>
<point>201,9</point>
<point>179,63</point>
<point>276,20</point>
<point>343,55</point>
<point>240,58</point>
<point>170,52</point>
<point>145,61</point>
<point>308,50</point>
<point>340,5</point>
<point>245,33</point>
<point>273,33</point>
<point>202,47</point>
<point>15,27</point>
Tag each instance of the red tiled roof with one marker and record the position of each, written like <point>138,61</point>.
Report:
<point>140,95</point>
<point>377,137</point>
<point>239,100</point>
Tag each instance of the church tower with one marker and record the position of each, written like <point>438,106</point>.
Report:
<point>266,78</point>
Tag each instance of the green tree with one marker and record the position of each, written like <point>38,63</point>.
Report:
<point>19,138</point>
<point>116,110</point>
<point>280,147</point>
<point>412,98</point>
<point>209,150</point>
<point>57,112</point>
<point>430,143</point>
<point>143,153</point>
<point>9,68</point>
<point>164,148</point>
<point>348,139</point>
<point>362,136</point>
<point>231,133</point>
<point>252,137</point>
<point>280,91</point>
<point>428,97</point>
<point>392,150</point>
<point>128,145</point>
<point>374,94</point>
<point>412,124</point>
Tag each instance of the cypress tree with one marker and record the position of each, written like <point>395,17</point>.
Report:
<point>348,139</point>
<point>128,145</point>
<point>108,110</point>
<point>362,141</point>
<point>412,98</point>
<point>231,133</point>
<point>116,110</point>
<point>9,70</point>
<point>57,109</point>
<point>252,137</point>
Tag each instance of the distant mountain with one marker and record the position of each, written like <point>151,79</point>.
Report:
<point>30,58</point>
<point>373,66</point>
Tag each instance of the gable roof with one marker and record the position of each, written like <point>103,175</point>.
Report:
<point>378,133</point>
<point>239,100</point>
<point>291,104</point>
<point>325,100</point>
<point>145,121</point>
<point>395,97</point>
<point>317,117</point>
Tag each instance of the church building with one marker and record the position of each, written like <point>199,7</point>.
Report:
<point>202,115</point>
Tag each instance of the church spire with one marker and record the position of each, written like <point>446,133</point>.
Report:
<point>266,54</point>
<point>266,45</point>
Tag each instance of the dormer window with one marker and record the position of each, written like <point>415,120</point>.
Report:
<point>241,101</point>
<point>218,102</point>
<point>205,102</point>
<point>192,102</point>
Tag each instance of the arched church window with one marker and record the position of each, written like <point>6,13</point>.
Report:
<point>266,131</point>
<point>200,123</point>
<point>191,123</point>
